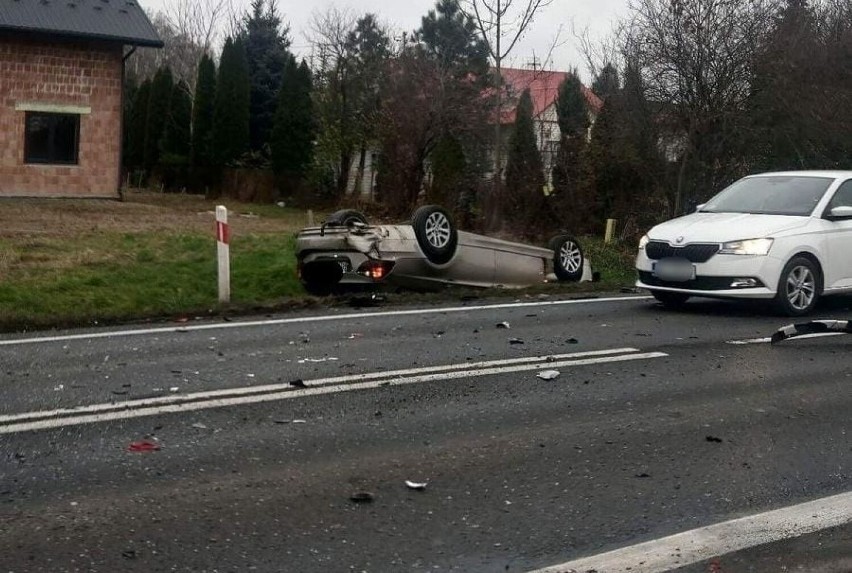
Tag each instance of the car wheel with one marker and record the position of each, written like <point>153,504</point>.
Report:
<point>436,233</point>
<point>798,287</point>
<point>568,258</point>
<point>670,299</point>
<point>345,218</point>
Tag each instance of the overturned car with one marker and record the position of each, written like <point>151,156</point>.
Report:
<point>429,253</point>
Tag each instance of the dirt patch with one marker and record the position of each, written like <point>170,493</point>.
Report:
<point>142,212</point>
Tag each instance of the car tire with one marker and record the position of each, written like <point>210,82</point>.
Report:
<point>799,287</point>
<point>568,258</point>
<point>668,299</point>
<point>436,234</point>
<point>345,218</point>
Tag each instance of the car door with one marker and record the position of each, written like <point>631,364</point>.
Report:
<point>839,241</point>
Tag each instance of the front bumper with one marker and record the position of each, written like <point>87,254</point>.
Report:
<point>716,277</point>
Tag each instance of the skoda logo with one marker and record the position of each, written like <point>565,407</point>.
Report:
<point>679,240</point>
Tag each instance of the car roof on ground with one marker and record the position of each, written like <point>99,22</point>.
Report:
<point>837,174</point>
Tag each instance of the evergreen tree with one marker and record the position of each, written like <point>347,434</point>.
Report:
<point>135,127</point>
<point>293,129</point>
<point>231,109</point>
<point>266,47</point>
<point>607,82</point>
<point>176,135</point>
<point>571,194</point>
<point>202,116</point>
<point>524,170</point>
<point>159,103</point>
<point>452,38</point>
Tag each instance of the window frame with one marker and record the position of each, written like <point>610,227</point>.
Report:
<point>52,154</point>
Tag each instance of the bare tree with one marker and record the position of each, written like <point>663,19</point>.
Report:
<point>695,57</point>
<point>188,28</point>
<point>502,23</point>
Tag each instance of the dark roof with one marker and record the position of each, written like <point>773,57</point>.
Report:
<point>121,21</point>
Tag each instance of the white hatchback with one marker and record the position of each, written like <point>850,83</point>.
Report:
<point>781,236</point>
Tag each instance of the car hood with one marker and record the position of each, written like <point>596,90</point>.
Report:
<point>724,227</point>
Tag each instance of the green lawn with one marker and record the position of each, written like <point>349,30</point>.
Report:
<point>110,261</point>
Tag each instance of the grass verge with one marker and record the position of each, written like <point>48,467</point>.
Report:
<point>79,263</point>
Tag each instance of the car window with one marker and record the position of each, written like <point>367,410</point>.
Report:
<point>843,196</point>
<point>773,195</point>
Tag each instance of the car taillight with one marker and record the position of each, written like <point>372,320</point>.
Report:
<point>376,270</point>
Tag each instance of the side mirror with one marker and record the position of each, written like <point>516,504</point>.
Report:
<point>699,207</point>
<point>841,213</point>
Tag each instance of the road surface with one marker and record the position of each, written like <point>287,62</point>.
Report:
<point>264,430</point>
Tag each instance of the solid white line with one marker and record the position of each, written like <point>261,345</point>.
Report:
<point>311,319</point>
<point>302,393</point>
<point>247,390</point>
<point>698,545</point>
<point>768,340</point>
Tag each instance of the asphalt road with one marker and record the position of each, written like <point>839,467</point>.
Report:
<point>656,425</point>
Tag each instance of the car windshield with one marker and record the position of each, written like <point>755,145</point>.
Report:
<point>774,195</point>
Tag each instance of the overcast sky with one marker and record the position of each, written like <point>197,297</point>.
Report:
<point>597,15</point>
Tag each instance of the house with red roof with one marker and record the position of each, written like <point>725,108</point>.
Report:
<point>544,90</point>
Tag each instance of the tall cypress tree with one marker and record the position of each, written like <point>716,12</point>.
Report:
<point>267,47</point>
<point>606,83</point>
<point>294,126</point>
<point>135,127</point>
<point>524,170</point>
<point>202,116</point>
<point>159,103</point>
<point>573,119</point>
<point>231,108</point>
<point>177,134</point>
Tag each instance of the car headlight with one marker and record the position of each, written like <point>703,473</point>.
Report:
<point>643,242</point>
<point>758,247</point>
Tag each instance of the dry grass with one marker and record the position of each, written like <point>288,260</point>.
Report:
<point>141,212</point>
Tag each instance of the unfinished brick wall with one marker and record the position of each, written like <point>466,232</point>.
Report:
<point>85,75</point>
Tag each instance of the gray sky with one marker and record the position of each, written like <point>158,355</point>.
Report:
<point>597,15</point>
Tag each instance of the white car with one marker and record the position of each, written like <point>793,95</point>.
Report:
<point>785,237</point>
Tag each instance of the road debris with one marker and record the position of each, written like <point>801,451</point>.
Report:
<point>298,383</point>
<point>143,446</point>
<point>199,426</point>
<point>643,475</point>
<point>572,341</point>
<point>515,341</point>
<point>362,497</point>
<point>714,440</point>
<point>59,388</point>
<point>549,374</point>
<point>174,389</point>
<point>300,421</point>
<point>415,485</point>
<point>813,327</point>
<point>504,325</point>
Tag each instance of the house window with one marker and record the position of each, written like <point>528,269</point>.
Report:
<point>52,138</point>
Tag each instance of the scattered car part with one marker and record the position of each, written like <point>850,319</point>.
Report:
<point>813,327</point>
<point>415,485</point>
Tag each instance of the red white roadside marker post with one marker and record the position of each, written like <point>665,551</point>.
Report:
<point>223,239</point>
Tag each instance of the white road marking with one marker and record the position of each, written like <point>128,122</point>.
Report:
<point>133,410</point>
<point>698,545</point>
<point>268,388</point>
<point>768,340</point>
<point>309,319</point>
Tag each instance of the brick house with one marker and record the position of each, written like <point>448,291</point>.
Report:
<point>61,94</point>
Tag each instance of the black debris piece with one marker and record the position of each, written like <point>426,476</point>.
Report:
<point>362,497</point>
<point>298,383</point>
<point>515,341</point>
<point>713,439</point>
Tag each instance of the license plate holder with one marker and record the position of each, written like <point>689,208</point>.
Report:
<point>674,270</point>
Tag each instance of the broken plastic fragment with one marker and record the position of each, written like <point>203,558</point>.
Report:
<point>362,497</point>
<point>549,374</point>
<point>515,341</point>
<point>415,485</point>
<point>504,325</point>
<point>199,426</point>
<point>143,446</point>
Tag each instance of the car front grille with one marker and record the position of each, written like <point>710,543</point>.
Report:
<point>694,253</point>
<point>698,283</point>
